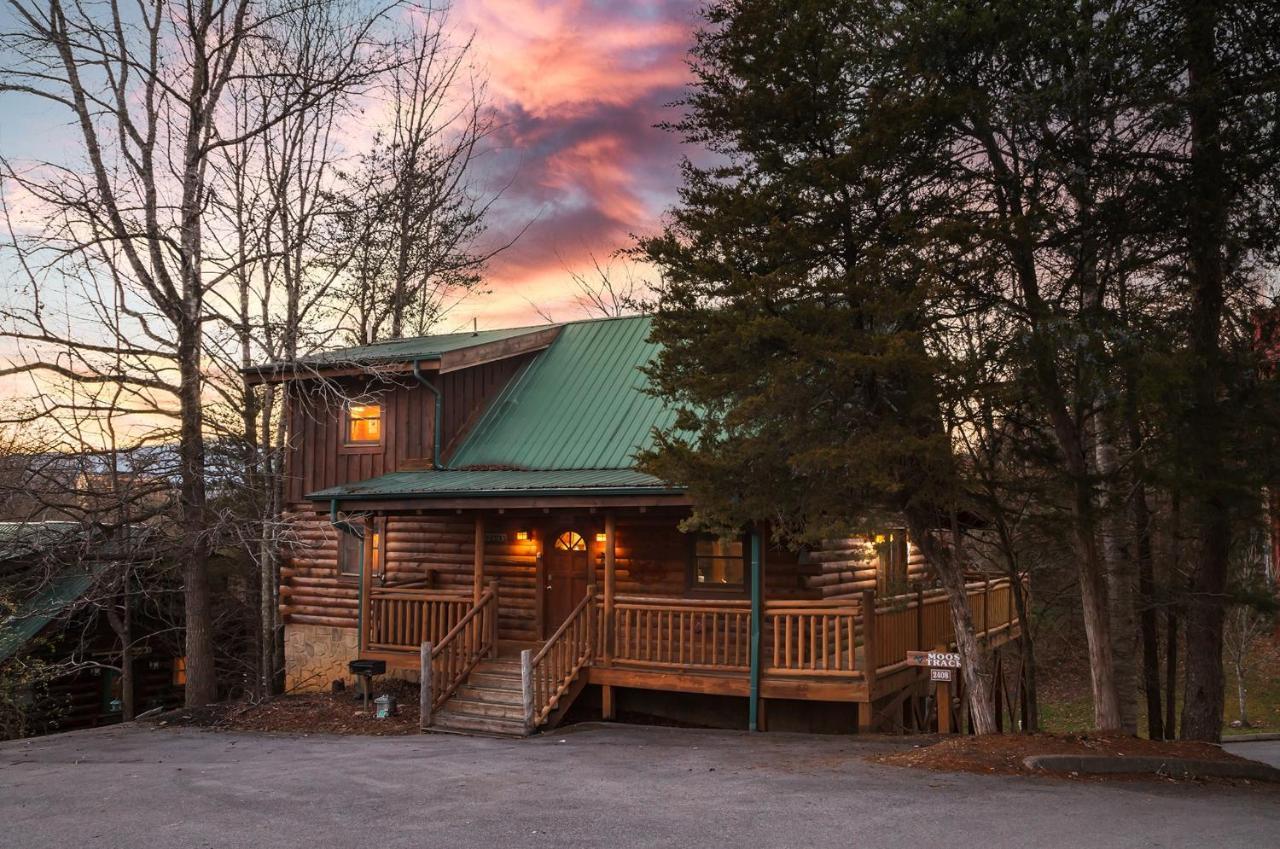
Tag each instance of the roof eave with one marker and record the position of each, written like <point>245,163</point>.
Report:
<point>540,492</point>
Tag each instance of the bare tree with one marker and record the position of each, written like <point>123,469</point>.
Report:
<point>411,212</point>
<point>611,289</point>
<point>115,249</point>
<point>1250,616</point>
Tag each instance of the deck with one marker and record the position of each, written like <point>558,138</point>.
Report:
<point>838,650</point>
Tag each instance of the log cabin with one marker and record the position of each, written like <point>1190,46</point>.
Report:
<point>60,660</point>
<point>466,508</point>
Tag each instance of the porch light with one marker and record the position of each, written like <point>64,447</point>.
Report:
<point>602,537</point>
<point>523,536</point>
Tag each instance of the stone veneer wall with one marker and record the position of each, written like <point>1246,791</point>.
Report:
<point>316,655</point>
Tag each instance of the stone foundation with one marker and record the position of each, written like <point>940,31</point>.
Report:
<point>316,655</point>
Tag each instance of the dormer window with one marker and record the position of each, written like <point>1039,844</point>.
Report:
<point>364,424</point>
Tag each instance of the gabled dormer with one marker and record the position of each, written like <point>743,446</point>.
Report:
<point>369,410</point>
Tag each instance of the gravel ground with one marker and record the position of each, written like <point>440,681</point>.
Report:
<point>592,785</point>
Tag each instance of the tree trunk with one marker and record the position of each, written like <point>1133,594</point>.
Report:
<point>1147,612</point>
<point>1031,721</point>
<point>1143,555</point>
<point>202,687</point>
<point>1206,235</point>
<point>1119,578</point>
<point>1171,673</point>
<point>974,664</point>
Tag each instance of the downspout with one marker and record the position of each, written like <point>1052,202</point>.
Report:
<point>757,616</point>
<point>436,419</point>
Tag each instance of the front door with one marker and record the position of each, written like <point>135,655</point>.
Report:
<point>566,571</point>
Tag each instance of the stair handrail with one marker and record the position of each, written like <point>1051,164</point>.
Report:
<point>547,675</point>
<point>447,664</point>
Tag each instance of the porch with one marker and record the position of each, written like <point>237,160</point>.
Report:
<point>850,650</point>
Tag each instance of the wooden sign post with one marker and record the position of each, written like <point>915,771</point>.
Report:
<point>942,665</point>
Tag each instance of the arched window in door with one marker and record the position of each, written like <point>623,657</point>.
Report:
<point>571,541</point>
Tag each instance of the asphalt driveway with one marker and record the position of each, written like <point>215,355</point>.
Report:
<point>592,786</point>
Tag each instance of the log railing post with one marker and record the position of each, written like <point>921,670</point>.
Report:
<point>869,639</point>
<point>526,687</point>
<point>986,606</point>
<point>424,686</point>
<point>610,565</point>
<point>919,618</point>
<point>493,618</point>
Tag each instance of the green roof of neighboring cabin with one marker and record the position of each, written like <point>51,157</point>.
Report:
<point>39,610</point>
<point>571,421</point>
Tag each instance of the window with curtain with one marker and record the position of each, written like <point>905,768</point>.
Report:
<point>718,564</point>
<point>364,424</point>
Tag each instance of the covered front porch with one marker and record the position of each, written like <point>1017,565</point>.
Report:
<point>556,598</point>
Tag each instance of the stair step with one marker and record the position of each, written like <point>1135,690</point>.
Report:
<point>465,723</point>
<point>473,707</point>
<point>493,682</point>
<point>476,692</point>
<point>512,668</point>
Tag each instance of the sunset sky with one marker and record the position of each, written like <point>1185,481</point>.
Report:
<point>578,86</point>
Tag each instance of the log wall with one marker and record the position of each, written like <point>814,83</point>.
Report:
<point>848,567</point>
<point>652,559</point>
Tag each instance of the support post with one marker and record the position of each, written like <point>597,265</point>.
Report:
<point>478,578</point>
<point>607,707</point>
<point>424,686</point>
<point>610,582</point>
<point>943,698</point>
<point>526,687</point>
<point>757,616</point>
<point>366,593</point>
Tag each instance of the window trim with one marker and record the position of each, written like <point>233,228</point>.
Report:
<point>345,445</point>
<point>359,542</point>
<point>694,589</point>
<point>893,575</point>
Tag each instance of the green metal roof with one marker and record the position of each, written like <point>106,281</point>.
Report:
<point>404,350</point>
<point>580,405</point>
<point>20,539</point>
<point>39,610</point>
<point>499,483</point>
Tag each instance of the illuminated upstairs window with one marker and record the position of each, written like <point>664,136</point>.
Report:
<point>364,424</point>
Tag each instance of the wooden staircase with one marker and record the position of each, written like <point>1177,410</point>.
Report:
<point>489,702</point>
<point>519,691</point>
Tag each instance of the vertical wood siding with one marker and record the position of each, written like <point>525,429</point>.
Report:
<point>316,458</point>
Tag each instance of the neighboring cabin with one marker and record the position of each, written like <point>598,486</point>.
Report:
<point>477,492</point>
<point>59,657</point>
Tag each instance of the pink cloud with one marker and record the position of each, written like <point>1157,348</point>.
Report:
<point>578,87</point>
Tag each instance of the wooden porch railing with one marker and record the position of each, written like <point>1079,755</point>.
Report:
<point>922,620</point>
<point>546,676</point>
<point>447,664</point>
<point>836,638</point>
<point>682,633</point>
<point>817,638</point>
<point>402,618</point>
